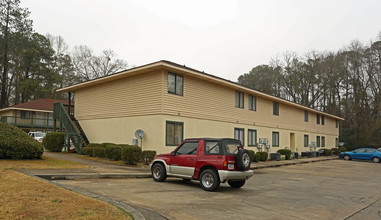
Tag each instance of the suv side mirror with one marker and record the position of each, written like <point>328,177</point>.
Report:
<point>173,153</point>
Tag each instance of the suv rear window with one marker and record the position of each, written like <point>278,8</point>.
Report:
<point>232,147</point>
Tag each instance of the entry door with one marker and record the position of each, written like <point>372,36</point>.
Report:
<point>292,142</point>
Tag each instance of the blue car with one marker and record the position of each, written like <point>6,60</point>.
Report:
<point>362,154</point>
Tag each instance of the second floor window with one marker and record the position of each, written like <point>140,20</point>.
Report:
<point>239,99</point>
<point>275,108</point>
<point>317,119</point>
<point>322,120</point>
<point>175,84</point>
<point>252,103</point>
<point>306,116</point>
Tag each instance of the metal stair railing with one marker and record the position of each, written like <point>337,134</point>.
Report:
<point>60,113</point>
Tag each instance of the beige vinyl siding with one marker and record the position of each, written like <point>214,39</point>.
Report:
<point>130,96</point>
<point>206,100</point>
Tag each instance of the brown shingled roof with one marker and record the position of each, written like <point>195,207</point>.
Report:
<point>40,104</point>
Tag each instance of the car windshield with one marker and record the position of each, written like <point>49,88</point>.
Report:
<point>40,135</point>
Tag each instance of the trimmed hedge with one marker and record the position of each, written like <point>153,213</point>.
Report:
<point>105,144</point>
<point>54,141</point>
<point>285,152</point>
<point>252,154</point>
<point>342,149</point>
<point>257,157</point>
<point>16,144</point>
<point>264,156</point>
<point>147,156</point>
<point>94,145</point>
<point>327,152</point>
<point>113,152</point>
<point>131,154</point>
<point>99,152</point>
<point>88,151</point>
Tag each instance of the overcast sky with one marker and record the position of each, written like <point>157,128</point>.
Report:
<point>225,38</point>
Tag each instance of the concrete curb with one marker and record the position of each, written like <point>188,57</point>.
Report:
<point>76,176</point>
<point>291,163</point>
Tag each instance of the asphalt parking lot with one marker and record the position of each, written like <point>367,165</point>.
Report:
<point>333,189</point>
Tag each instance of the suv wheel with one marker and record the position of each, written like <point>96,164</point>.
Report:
<point>209,180</point>
<point>236,184</point>
<point>243,159</point>
<point>158,172</point>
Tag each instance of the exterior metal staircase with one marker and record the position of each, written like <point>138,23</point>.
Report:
<point>72,131</point>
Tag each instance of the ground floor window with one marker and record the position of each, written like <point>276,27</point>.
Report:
<point>252,137</point>
<point>306,141</point>
<point>322,141</point>
<point>337,142</point>
<point>275,139</point>
<point>317,141</point>
<point>239,134</point>
<point>174,133</point>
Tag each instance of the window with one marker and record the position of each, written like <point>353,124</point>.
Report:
<point>322,141</point>
<point>337,142</point>
<point>252,103</point>
<point>275,108</point>
<point>188,148</point>
<point>174,133</point>
<point>275,139</point>
<point>317,119</point>
<point>252,137</point>
<point>175,84</point>
<point>317,141</point>
<point>337,123</point>
<point>306,116</point>
<point>239,134</point>
<point>212,147</point>
<point>322,120</point>
<point>239,96</point>
<point>306,141</point>
<point>25,115</point>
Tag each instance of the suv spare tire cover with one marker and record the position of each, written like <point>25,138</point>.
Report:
<point>243,159</point>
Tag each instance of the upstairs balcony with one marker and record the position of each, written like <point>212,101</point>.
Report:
<point>31,123</point>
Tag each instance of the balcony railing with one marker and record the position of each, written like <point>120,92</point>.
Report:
<point>42,123</point>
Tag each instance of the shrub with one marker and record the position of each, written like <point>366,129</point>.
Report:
<point>99,152</point>
<point>252,154</point>
<point>257,157</point>
<point>54,141</point>
<point>264,156</point>
<point>131,154</point>
<point>113,152</point>
<point>93,145</point>
<point>342,149</point>
<point>88,151</point>
<point>147,156</point>
<point>285,152</point>
<point>105,144</point>
<point>327,152</point>
<point>16,144</point>
<point>336,151</point>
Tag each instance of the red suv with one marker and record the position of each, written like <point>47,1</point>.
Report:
<point>212,161</point>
